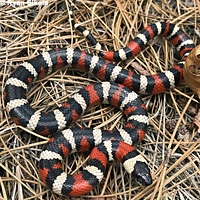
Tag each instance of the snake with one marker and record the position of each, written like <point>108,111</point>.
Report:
<point>119,87</point>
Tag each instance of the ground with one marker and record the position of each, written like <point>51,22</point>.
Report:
<point>172,143</point>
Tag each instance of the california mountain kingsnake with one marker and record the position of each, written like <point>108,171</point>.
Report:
<point>109,143</point>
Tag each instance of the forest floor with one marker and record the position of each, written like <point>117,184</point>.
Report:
<point>172,142</point>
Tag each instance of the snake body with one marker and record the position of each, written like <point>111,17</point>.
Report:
<point>110,144</point>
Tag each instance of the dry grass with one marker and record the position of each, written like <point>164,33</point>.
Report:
<point>26,31</point>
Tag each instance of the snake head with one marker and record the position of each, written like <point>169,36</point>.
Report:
<point>142,173</point>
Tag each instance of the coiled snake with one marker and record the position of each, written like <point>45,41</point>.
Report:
<point>117,92</point>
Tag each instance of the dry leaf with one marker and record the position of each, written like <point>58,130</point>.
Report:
<point>139,68</point>
<point>191,70</point>
<point>197,120</point>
